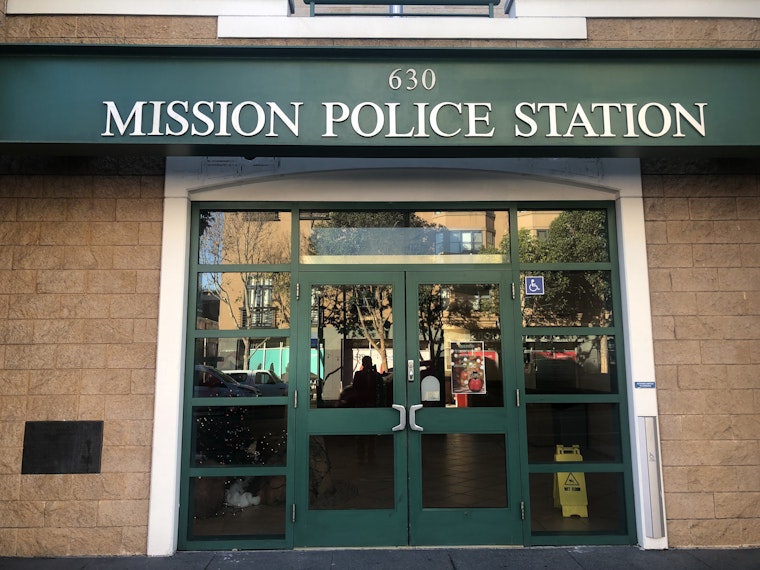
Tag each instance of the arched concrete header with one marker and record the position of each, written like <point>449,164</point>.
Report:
<point>335,180</point>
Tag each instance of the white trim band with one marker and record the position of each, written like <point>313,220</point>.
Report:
<point>638,8</point>
<point>381,27</point>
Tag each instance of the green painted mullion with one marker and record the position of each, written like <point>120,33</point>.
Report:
<point>623,416</point>
<point>191,301</point>
<point>613,398</point>
<point>570,331</point>
<point>236,543</point>
<point>223,402</point>
<point>235,333</point>
<point>575,266</point>
<point>240,268</point>
<point>578,466</point>
<point>236,471</point>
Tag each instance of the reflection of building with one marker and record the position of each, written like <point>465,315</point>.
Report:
<point>537,222</point>
<point>467,232</point>
<point>259,310</point>
<point>207,312</point>
<point>250,300</point>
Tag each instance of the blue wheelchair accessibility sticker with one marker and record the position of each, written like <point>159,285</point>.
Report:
<point>534,285</point>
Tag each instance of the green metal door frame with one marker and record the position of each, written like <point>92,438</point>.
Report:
<point>520,469</point>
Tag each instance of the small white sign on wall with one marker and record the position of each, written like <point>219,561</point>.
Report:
<point>430,389</point>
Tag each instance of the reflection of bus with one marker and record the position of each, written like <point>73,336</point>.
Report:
<point>554,355</point>
<point>272,358</point>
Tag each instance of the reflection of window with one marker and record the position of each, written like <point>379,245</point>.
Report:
<point>260,312</point>
<point>265,216</point>
<point>458,241</point>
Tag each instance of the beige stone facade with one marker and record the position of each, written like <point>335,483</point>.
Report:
<point>79,273</point>
<point>80,243</point>
<point>703,237</point>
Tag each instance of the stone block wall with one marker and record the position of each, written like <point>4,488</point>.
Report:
<point>703,240</point>
<point>79,279</point>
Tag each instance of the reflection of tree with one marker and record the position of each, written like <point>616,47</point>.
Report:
<point>248,298</point>
<point>243,238</point>
<point>575,236</point>
<point>360,311</point>
<point>473,307</point>
<point>431,306</point>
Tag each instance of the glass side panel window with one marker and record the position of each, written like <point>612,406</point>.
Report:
<point>569,299</point>
<point>242,300</point>
<point>603,513</point>
<point>220,507</point>
<point>594,428</point>
<point>403,236</point>
<point>563,236</point>
<point>241,366</point>
<point>460,345</point>
<point>239,436</point>
<point>570,364</point>
<point>244,237</point>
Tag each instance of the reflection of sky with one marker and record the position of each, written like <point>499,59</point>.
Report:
<point>210,246</point>
<point>207,281</point>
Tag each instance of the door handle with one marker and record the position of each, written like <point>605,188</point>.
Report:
<point>401,417</point>
<point>412,417</point>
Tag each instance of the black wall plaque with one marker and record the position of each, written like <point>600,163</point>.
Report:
<point>62,447</point>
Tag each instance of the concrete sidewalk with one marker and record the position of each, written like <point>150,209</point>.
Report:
<point>560,558</point>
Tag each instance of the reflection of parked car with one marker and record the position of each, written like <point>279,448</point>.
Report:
<point>266,382</point>
<point>210,382</point>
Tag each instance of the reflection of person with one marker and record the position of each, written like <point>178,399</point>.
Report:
<point>367,384</point>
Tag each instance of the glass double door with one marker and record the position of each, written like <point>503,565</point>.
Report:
<point>409,433</point>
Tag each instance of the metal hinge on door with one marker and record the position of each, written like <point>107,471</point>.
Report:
<point>293,513</point>
<point>517,397</point>
<point>295,399</point>
<point>513,291</point>
<point>298,292</point>
<point>522,511</point>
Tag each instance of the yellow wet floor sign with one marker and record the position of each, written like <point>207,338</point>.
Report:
<point>570,488</point>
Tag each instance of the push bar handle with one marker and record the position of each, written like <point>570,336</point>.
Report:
<point>401,417</point>
<point>412,417</point>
